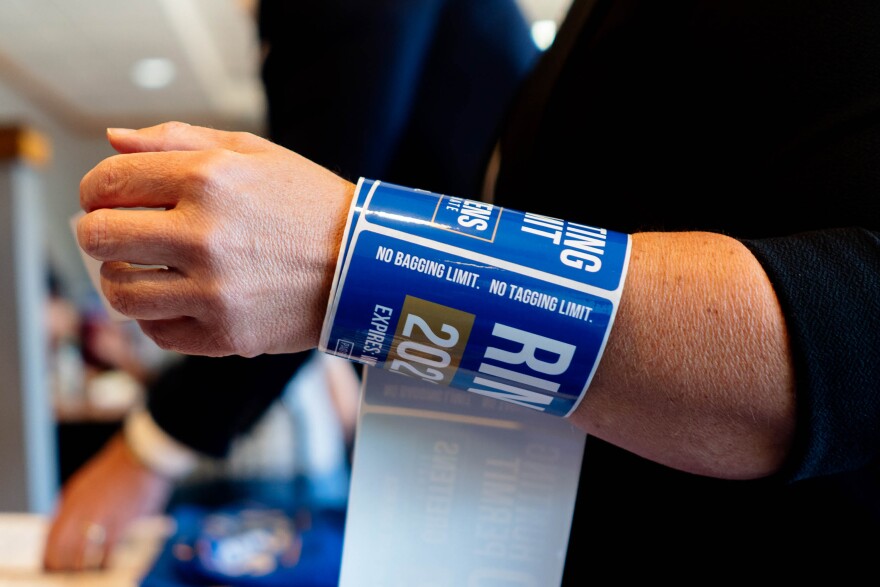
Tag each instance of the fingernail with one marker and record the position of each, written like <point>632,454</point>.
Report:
<point>120,131</point>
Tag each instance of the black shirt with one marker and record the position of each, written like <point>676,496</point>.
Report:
<point>760,120</point>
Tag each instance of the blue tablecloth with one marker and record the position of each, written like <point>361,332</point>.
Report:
<point>231,533</point>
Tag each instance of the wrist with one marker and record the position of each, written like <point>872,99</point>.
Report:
<point>156,449</point>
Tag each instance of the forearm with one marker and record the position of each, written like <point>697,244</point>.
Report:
<point>696,373</point>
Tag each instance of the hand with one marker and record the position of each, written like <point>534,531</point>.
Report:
<point>246,244</point>
<point>97,505</point>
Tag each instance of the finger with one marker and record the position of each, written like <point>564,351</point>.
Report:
<point>75,544</point>
<point>60,546</point>
<point>145,180</point>
<point>186,335</point>
<point>179,136</point>
<point>146,293</point>
<point>144,237</point>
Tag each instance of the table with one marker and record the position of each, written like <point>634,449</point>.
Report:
<point>22,537</point>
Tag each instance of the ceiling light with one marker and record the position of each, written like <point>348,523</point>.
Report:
<point>153,73</point>
<point>543,33</point>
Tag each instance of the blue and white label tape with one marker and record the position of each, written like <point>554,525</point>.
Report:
<point>461,293</point>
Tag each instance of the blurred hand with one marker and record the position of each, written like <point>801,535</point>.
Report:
<point>97,504</point>
<point>246,244</point>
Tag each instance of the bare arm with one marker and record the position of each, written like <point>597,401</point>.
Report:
<point>696,374</point>
<point>109,492</point>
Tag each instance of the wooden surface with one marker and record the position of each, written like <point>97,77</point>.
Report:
<point>21,548</point>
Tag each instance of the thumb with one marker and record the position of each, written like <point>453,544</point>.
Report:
<point>178,136</point>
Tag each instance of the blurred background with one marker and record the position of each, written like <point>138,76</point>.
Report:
<point>69,70</point>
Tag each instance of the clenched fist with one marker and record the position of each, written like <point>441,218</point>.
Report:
<point>236,250</point>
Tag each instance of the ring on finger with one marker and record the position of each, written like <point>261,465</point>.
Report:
<point>93,551</point>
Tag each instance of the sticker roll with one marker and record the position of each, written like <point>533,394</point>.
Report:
<point>461,293</point>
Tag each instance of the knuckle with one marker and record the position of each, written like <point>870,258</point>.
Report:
<point>243,140</point>
<point>164,135</point>
<point>207,176</point>
<point>173,126</point>
<point>117,298</point>
<point>103,182</point>
<point>167,337</point>
<point>111,180</point>
<point>92,233</point>
<point>158,334</point>
<point>85,189</point>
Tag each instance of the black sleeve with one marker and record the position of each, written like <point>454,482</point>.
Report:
<point>204,402</point>
<point>828,283</point>
<point>751,118</point>
<point>478,57</point>
<point>410,91</point>
<point>340,75</point>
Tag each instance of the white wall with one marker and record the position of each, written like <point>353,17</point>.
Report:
<point>72,156</point>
